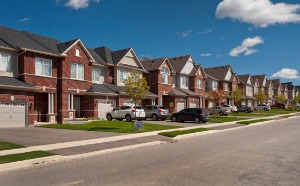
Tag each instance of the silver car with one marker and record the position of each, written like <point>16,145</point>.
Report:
<point>265,107</point>
<point>156,112</point>
<point>219,110</point>
<point>126,112</point>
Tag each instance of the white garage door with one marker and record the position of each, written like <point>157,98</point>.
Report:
<point>180,106</point>
<point>105,107</point>
<point>193,105</point>
<point>12,114</point>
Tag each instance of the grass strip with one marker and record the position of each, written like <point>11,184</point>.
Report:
<point>8,146</point>
<point>24,156</point>
<point>182,132</point>
<point>252,121</point>
<point>110,126</point>
<point>223,119</point>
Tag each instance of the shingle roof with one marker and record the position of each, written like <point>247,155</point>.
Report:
<point>16,39</point>
<point>10,81</point>
<point>62,47</point>
<point>269,83</point>
<point>276,83</point>
<point>283,86</point>
<point>96,57</point>
<point>118,55</point>
<point>4,44</point>
<point>100,88</point>
<point>105,54</point>
<point>195,70</point>
<point>260,78</point>
<point>176,92</point>
<point>179,62</point>
<point>289,85</point>
<point>120,89</point>
<point>218,72</point>
<point>244,78</point>
<point>152,64</point>
<point>188,92</point>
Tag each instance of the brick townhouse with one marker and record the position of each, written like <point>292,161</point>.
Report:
<point>178,82</point>
<point>46,80</point>
<point>246,84</point>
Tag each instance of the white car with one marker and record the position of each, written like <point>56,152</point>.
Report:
<point>262,107</point>
<point>126,112</point>
<point>228,107</point>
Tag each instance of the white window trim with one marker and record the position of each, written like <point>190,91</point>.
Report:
<point>77,52</point>
<point>226,87</point>
<point>9,61</point>
<point>199,84</point>
<point>93,78</point>
<point>43,67</point>
<point>124,72</point>
<point>164,74</point>
<point>77,71</point>
<point>184,82</point>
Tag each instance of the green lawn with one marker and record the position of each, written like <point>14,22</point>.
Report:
<point>182,132</point>
<point>8,146</point>
<point>272,112</point>
<point>23,156</point>
<point>253,121</point>
<point>223,119</point>
<point>110,126</point>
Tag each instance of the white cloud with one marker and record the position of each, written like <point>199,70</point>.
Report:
<point>286,73</point>
<point>206,31</point>
<point>77,4</point>
<point>24,19</point>
<point>261,13</point>
<point>205,55</point>
<point>185,33</point>
<point>246,47</point>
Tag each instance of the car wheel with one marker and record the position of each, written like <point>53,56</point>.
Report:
<point>109,117</point>
<point>225,114</point>
<point>128,118</point>
<point>204,121</point>
<point>173,119</point>
<point>197,120</point>
<point>120,119</point>
<point>154,117</point>
<point>221,113</point>
<point>246,111</point>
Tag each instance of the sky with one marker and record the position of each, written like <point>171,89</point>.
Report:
<point>253,36</point>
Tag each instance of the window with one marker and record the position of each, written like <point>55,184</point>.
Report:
<point>199,83</point>
<point>77,52</point>
<point>43,67</point>
<point>164,75</point>
<point>5,62</point>
<point>184,81</point>
<point>77,71</point>
<point>215,85</point>
<point>225,86</point>
<point>96,75</point>
<point>233,87</point>
<point>123,76</point>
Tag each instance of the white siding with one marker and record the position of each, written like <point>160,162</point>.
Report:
<point>117,73</point>
<point>187,69</point>
<point>103,74</point>
<point>228,75</point>
<point>130,60</point>
<point>249,81</point>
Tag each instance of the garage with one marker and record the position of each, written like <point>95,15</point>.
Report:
<point>104,107</point>
<point>12,114</point>
<point>193,105</point>
<point>180,105</point>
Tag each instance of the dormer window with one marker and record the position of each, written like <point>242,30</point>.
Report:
<point>164,75</point>
<point>77,52</point>
<point>5,62</point>
<point>199,84</point>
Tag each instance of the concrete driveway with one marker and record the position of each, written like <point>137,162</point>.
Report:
<point>32,136</point>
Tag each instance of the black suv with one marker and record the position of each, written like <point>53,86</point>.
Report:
<point>191,114</point>
<point>244,108</point>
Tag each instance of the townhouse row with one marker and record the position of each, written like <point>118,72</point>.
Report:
<point>46,80</point>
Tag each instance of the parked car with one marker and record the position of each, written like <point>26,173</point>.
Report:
<point>126,112</point>
<point>228,107</point>
<point>279,106</point>
<point>244,108</point>
<point>265,107</point>
<point>297,105</point>
<point>156,112</point>
<point>191,114</point>
<point>219,110</point>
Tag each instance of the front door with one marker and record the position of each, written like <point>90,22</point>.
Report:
<point>76,105</point>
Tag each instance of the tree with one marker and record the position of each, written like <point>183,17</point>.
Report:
<point>215,96</point>
<point>236,96</point>
<point>281,99</point>
<point>136,87</point>
<point>260,97</point>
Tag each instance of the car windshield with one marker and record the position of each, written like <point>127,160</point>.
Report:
<point>162,107</point>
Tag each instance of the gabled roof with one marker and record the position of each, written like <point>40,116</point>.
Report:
<point>119,55</point>
<point>218,72</point>
<point>153,64</point>
<point>120,90</point>
<point>260,78</point>
<point>284,86</point>
<point>63,47</point>
<point>105,54</point>
<point>96,57</point>
<point>176,92</point>
<point>5,45</point>
<point>276,83</point>
<point>289,85</point>
<point>269,83</point>
<point>196,69</point>
<point>244,78</point>
<point>178,63</point>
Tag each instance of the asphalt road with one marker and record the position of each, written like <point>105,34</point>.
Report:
<point>261,155</point>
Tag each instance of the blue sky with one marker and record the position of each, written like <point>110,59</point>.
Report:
<point>254,36</point>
